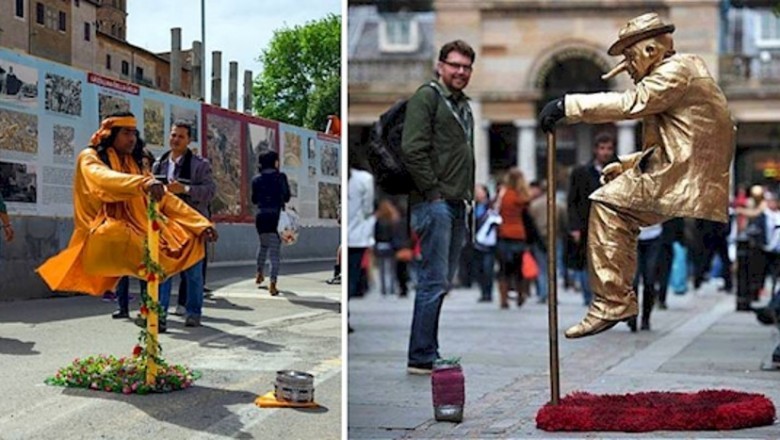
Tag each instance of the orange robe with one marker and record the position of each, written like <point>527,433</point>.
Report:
<point>110,221</point>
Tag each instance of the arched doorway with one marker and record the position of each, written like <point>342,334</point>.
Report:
<point>571,71</point>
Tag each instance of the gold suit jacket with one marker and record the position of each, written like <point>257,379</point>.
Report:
<point>687,141</point>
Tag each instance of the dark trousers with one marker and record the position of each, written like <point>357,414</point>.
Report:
<point>646,269</point>
<point>665,257</point>
<point>354,258</point>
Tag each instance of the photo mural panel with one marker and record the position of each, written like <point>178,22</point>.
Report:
<point>222,140</point>
<point>261,134</point>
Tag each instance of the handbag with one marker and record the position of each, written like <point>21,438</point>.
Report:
<point>288,227</point>
<point>529,268</point>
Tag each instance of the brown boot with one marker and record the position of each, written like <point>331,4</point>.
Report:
<point>272,289</point>
<point>503,291</point>
<point>259,278</point>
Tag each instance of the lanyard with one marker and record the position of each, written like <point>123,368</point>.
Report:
<point>465,121</point>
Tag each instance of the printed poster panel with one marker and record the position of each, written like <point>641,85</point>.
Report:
<point>18,84</point>
<point>329,200</point>
<point>261,134</point>
<point>223,149</point>
<point>189,114</point>
<point>64,140</point>
<point>18,135</point>
<point>329,160</point>
<point>154,124</point>
<point>63,94</point>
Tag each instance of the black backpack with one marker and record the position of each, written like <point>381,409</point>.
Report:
<point>384,151</point>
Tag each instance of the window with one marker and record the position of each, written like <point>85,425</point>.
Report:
<point>139,72</point>
<point>87,32</point>
<point>399,33</point>
<point>125,68</point>
<point>63,21</point>
<point>39,13</point>
<point>20,8</point>
<point>108,62</point>
<point>768,29</point>
<point>113,30</point>
<point>78,3</point>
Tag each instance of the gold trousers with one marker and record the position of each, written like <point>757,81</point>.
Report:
<point>612,247</point>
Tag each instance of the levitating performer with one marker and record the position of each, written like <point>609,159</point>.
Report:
<point>682,169</point>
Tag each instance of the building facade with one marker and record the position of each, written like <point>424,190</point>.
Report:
<point>89,35</point>
<point>531,51</point>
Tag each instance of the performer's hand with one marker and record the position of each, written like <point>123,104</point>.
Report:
<point>176,187</point>
<point>576,236</point>
<point>552,112</point>
<point>610,172</point>
<point>211,234</point>
<point>156,189</point>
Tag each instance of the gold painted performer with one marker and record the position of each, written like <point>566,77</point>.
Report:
<point>110,217</point>
<point>682,170</point>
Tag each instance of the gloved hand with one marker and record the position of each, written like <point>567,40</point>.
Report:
<point>552,112</point>
<point>611,171</point>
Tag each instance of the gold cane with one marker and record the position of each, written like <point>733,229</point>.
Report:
<point>552,285</point>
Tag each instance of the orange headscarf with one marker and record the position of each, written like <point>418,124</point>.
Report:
<point>105,128</point>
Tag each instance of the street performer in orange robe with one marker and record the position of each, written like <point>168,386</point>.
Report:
<point>110,217</point>
<point>683,169</point>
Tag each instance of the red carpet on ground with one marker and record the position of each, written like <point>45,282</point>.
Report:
<point>657,411</point>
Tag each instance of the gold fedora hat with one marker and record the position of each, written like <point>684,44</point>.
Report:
<point>637,29</point>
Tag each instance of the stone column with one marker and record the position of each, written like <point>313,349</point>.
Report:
<point>233,85</point>
<point>526,148</point>
<point>196,85</point>
<point>216,78</point>
<point>481,144</point>
<point>248,92</point>
<point>175,61</point>
<point>626,138</point>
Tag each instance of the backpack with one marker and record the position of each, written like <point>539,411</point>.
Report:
<point>384,150</point>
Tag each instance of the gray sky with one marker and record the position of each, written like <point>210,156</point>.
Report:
<point>241,29</point>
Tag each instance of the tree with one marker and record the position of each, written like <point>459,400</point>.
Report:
<point>301,79</point>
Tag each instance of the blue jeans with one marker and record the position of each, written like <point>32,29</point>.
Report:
<point>485,262</point>
<point>441,228</point>
<point>194,277</point>
<point>122,292</point>
<point>540,255</point>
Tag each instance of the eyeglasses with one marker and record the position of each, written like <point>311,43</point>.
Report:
<point>457,66</point>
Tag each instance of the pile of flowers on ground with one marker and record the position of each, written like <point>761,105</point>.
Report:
<point>128,374</point>
<point>122,375</point>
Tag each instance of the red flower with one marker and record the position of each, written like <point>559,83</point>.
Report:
<point>155,225</point>
<point>151,277</point>
<point>137,350</point>
<point>144,310</point>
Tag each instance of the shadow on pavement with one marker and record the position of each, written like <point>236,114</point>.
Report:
<point>314,302</point>
<point>198,408</point>
<point>17,347</point>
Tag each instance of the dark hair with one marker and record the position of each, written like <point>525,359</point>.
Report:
<point>459,46</point>
<point>185,125</point>
<point>486,189</point>
<point>267,159</point>
<point>604,138</point>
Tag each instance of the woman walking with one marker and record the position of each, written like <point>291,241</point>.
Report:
<point>270,191</point>
<point>512,202</point>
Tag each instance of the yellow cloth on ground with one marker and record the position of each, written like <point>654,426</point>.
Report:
<point>109,228</point>
<point>268,400</point>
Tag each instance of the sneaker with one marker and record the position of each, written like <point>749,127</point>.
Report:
<point>180,311</point>
<point>420,369</point>
<point>192,321</point>
<point>334,281</point>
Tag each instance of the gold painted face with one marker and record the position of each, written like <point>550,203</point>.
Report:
<point>641,57</point>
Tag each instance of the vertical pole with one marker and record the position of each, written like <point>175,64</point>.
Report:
<point>552,285</point>
<point>152,288</point>
<point>203,49</point>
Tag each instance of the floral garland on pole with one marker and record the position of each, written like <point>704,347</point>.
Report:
<point>129,374</point>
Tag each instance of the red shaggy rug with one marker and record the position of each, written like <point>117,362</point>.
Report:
<point>657,411</point>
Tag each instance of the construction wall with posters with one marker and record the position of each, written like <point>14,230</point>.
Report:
<point>49,111</point>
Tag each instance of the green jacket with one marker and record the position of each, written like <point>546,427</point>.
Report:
<point>438,150</point>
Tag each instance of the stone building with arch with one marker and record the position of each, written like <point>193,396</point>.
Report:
<point>530,51</point>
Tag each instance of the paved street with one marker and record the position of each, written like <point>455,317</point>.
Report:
<point>246,337</point>
<point>699,343</point>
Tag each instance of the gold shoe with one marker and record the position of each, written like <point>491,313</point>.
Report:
<point>589,326</point>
